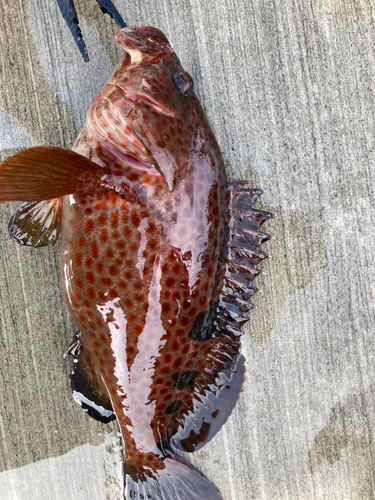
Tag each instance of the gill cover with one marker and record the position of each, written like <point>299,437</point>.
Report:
<point>151,98</point>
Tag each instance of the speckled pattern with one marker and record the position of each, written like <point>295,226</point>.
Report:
<point>158,254</point>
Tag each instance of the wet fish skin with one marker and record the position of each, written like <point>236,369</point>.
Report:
<point>139,269</point>
<point>158,255</point>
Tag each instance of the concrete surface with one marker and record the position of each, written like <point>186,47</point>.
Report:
<point>289,89</point>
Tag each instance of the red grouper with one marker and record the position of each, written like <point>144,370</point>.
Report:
<point>158,255</point>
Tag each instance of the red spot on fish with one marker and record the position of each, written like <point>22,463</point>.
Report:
<point>134,248</point>
<point>115,220</point>
<point>89,226</point>
<point>114,271</point>
<point>109,253</point>
<point>168,358</point>
<point>94,250</point>
<point>103,236</point>
<point>120,245</point>
<point>176,269</point>
<point>166,307</point>
<point>99,266</point>
<point>88,211</point>
<point>128,303</point>
<point>185,349</point>
<point>90,277</point>
<point>132,317</point>
<point>135,220</point>
<point>78,259</point>
<point>133,177</point>
<point>178,362</point>
<point>88,262</point>
<point>192,311</point>
<point>169,282</point>
<point>179,333</point>
<point>152,245</point>
<point>175,345</point>
<point>123,285</point>
<point>78,283</point>
<point>138,329</point>
<point>184,321</point>
<point>81,242</point>
<point>106,281</point>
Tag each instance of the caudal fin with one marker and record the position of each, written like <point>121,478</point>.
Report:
<point>177,480</point>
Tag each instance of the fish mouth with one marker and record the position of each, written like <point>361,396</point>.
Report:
<point>146,39</point>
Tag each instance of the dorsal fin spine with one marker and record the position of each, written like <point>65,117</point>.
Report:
<point>242,258</point>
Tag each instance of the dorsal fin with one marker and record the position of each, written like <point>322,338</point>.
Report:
<point>243,258</point>
<point>217,388</point>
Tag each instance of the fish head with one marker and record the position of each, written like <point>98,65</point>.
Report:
<point>143,44</point>
<point>160,96</point>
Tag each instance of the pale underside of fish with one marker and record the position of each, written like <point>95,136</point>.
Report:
<point>158,255</point>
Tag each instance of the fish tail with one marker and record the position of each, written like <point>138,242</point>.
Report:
<point>170,478</point>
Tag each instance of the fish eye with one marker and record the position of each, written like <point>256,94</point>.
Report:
<point>183,81</point>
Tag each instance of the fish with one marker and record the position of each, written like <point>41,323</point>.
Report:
<point>158,256</point>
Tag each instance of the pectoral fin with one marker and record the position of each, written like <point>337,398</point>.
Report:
<point>36,223</point>
<point>45,172</point>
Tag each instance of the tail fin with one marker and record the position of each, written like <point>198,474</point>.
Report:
<point>178,480</point>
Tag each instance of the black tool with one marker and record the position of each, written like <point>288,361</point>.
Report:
<point>69,13</point>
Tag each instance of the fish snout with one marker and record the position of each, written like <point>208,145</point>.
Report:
<point>145,39</point>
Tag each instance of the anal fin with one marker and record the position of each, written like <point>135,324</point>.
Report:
<point>88,390</point>
<point>36,223</point>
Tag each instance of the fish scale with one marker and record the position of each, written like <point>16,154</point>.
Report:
<point>158,255</point>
